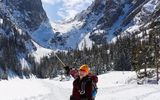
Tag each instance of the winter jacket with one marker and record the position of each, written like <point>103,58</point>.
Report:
<point>77,88</point>
<point>75,74</point>
<point>77,83</point>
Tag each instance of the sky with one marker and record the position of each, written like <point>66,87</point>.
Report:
<point>59,10</point>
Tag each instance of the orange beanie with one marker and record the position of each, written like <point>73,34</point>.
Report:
<point>85,68</point>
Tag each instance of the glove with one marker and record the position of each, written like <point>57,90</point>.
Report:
<point>67,70</point>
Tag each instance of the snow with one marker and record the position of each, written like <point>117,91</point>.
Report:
<point>133,28</point>
<point>76,31</point>
<point>146,11</point>
<point>24,64</point>
<point>1,21</point>
<point>66,27</point>
<point>43,34</point>
<point>20,31</point>
<point>114,78</point>
<point>151,5</point>
<point>2,31</point>
<point>117,24</point>
<point>67,30</point>
<point>40,52</point>
<point>22,90</point>
<point>139,20</point>
<point>85,42</point>
<point>115,85</point>
<point>148,69</point>
<point>72,31</point>
<point>130,29</point>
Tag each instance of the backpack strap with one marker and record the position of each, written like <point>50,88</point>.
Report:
<point>83,85</point>
<point>94,86</point>
<point>82,90</point>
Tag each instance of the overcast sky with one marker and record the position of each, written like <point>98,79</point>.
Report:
<point>58,10</point>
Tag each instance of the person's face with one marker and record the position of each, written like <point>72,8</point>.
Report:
<point>82,73</point>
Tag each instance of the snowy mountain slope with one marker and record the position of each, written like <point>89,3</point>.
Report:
<point>43,34</point>
<point>112,86</point>
<point>80,28</point>
<point>142,20</point>
<point>20,20</point>
<point>102,21</point>
<point>75,30</point>
<point>26,30</point>
<point>40,52</point>
<point>99,23</point>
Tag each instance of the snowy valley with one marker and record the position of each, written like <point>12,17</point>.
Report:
<point>116,38</point>
<point>28,37</point>
<point>111,86</point>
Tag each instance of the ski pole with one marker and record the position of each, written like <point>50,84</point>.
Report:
<point>59,59</point>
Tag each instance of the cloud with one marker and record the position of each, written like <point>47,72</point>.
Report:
<point>72,7</point>
<point>68,8</point>
<point>51,2</point>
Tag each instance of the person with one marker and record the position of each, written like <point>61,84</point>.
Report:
<point>83,83</point>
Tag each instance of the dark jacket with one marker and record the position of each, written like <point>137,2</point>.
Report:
<point>77,88</point>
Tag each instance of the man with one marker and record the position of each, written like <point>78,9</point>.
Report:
<point>83,83</point>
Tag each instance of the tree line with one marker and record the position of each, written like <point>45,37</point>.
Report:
<point>128,53</point>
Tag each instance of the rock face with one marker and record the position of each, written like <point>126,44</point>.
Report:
<point>23,23</point>
<point>18,20</point>
<point>28,13</point>
<point>112,11</point>
<point>105,19</point>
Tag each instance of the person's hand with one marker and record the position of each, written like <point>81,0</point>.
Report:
<point>67,70</point>
<point>66,67</point>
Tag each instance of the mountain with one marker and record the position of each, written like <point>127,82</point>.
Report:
<point>18,20</point>
<point>101,22</point>
<point>26,35</point>
<point>104,20</point>
<point>120,35</point>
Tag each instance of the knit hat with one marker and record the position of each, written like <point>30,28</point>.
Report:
<point>85,68</point>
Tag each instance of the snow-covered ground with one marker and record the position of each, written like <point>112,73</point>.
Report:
<point>112,86</point>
